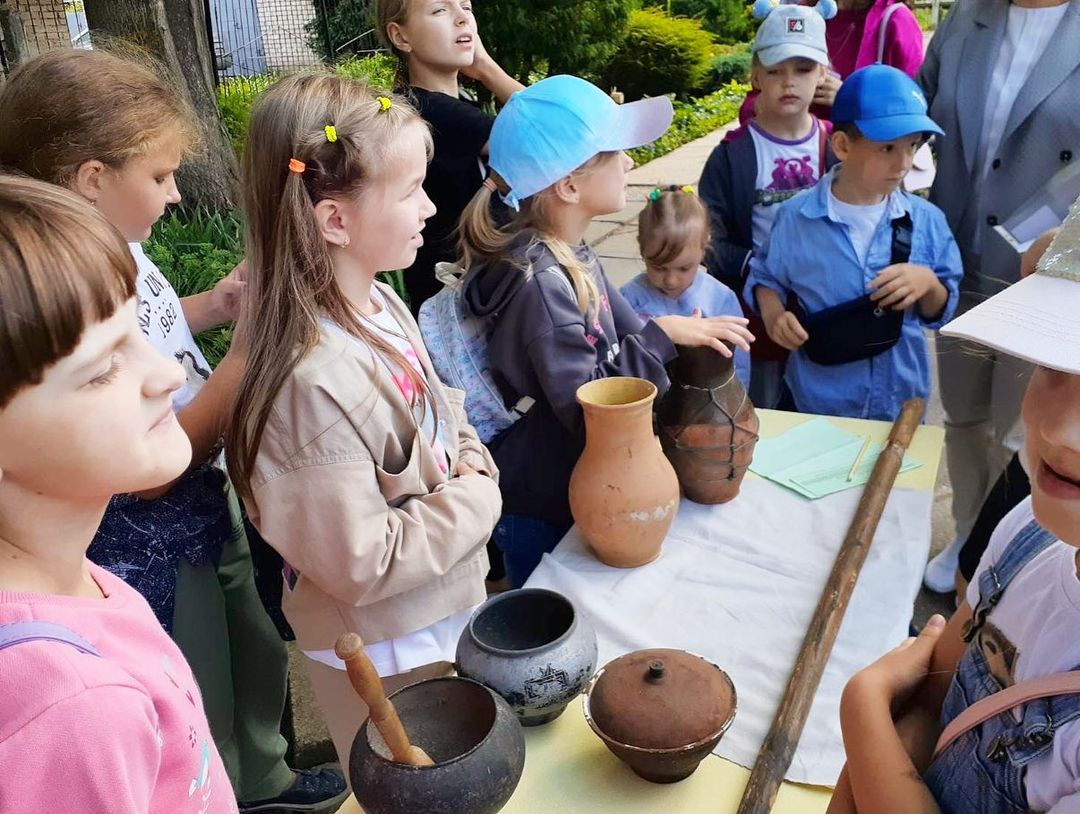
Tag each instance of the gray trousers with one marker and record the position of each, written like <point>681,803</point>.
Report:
<point>981,391</point>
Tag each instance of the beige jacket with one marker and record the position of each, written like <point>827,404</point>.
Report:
<point>353,498</point>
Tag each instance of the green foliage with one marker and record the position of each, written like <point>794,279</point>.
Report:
<point>552,36</point>
<point>729,21</point>
<point>236,96</point>
<point>695,119</point>
<point>345,20</point>
<point>660,54</point>
<point>194,249</point>
<point>731,64</point>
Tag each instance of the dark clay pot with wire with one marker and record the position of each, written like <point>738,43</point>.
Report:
<point>707,425</point>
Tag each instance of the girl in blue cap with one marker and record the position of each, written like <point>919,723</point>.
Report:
<point>556,158</point>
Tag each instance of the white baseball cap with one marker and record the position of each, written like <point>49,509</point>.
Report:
<point>1038,318</point>
<point>790,32</point>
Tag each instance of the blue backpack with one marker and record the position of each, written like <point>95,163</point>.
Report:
<point>457,343</point>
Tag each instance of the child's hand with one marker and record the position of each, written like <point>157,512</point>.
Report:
<point>225,296</point>
<point>894,677</point>
<point>786,331</point>
<point>696,331</point>
<point>826,90</point>
<point>902,285</point>
<point>463,469</point>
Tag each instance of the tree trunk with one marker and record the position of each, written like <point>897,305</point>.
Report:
<point>175,32</point>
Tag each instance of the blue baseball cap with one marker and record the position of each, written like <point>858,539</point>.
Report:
<point>548,130</point>
<point>884,103</point>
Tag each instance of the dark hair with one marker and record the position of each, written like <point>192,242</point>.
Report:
<point>63,267</point>
<point>849,129</point>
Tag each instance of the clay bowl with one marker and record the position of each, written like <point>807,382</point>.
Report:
<point>471,734</point>
<point>672,702</point>
<point>533,648</point>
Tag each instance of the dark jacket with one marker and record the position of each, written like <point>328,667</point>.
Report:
<point>727,190</point>
<point>542,347</point>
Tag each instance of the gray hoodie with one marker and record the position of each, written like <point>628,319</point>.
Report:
<point>542,347</point>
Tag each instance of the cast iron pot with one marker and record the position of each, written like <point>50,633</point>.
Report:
<point>470,733</point>
<point>533,648</point>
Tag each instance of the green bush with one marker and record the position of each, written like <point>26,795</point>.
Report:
<point>344,21</point>
<point>196,248</point>
<point>729,21</point>
<point>659,55</point>
<point>695,119</point>
<point>236,95</point>
<point>731,64</point>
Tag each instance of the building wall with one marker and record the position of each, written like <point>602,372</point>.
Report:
<point>44,24</point>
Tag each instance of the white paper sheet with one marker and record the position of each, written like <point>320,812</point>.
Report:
<point>738,584</point>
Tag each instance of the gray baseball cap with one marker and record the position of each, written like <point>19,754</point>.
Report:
<point>790,32</point>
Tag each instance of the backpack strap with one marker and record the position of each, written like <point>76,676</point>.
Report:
<point>902,229</point>
<point>882,26</point>
<point>995,704</point>
<point>1031,541</point>
<point>36,631</point>
<point>822,142</point>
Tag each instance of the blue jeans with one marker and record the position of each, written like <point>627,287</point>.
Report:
<point>524,541</point>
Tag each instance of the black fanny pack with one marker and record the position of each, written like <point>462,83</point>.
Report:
<point>856,329</point>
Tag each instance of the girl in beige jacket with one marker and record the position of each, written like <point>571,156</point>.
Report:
<point>354,461</point>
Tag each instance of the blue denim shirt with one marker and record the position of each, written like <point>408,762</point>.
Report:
<point>707,293</point>
<point>810,254</point>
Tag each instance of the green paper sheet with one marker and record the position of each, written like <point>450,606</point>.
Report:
<point>814,458</point>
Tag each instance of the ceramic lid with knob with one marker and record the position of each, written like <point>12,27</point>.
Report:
<point>661,699</point>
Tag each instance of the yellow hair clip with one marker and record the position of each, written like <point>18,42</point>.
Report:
<point>384,103</point>
<point>331,133</point>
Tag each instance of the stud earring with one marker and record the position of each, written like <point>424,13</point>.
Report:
<point>345,242</point>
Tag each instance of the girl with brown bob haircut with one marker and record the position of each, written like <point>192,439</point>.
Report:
<point>113,130</point>
<point>91,681</point>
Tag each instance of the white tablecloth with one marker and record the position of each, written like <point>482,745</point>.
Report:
<point>738,584</point>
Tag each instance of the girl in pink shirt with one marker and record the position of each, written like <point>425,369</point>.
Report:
<point>99,712</point>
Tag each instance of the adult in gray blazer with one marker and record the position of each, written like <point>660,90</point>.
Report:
<point>1002,80</point>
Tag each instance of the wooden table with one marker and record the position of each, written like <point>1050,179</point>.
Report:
<point>568,770</point>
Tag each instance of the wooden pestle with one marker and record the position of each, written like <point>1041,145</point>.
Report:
<point>368,685</point>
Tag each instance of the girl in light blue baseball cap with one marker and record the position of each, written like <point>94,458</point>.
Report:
<point>552,319</point>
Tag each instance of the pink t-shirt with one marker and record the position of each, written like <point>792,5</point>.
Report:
<point>122,732</point>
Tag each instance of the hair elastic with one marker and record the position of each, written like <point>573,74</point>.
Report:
<point>489,182</point>
<point>297,166</point>
<point>384,103</point>
<point>331,133</point>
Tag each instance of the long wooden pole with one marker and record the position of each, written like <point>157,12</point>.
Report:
<point>779,746</point>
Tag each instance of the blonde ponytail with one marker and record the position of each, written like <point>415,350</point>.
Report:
<point>482,242</point>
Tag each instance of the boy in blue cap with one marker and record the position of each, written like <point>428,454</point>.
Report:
<point>869,265</point>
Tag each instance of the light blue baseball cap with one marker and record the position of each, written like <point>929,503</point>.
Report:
<point>549,129</point>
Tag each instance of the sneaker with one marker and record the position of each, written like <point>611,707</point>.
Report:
<point>317,791</point>
<point>940,574</point>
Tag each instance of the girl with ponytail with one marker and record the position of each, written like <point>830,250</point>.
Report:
<point>354,461</point>
<point>557,160</point>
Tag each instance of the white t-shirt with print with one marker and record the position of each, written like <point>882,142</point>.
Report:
<point>784,169</point>
<point>862,222</point>
<point>162,321</point>
<point>1039,614</point>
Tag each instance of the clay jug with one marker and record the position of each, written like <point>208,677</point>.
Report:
<point>623,492</point>
<point>708,425</point>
